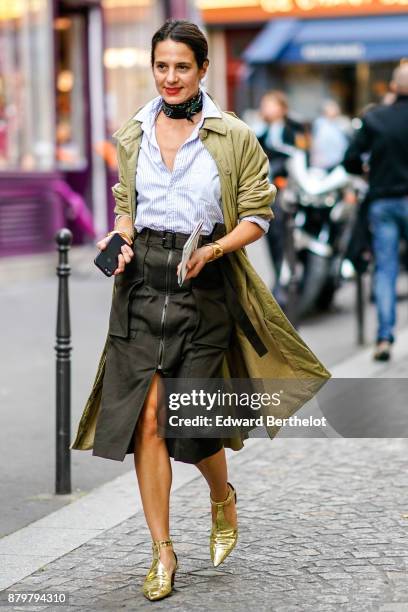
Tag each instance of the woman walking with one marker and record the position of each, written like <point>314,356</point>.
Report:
<point>182,160</point>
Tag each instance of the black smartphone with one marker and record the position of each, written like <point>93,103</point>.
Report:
<point>107,260</point>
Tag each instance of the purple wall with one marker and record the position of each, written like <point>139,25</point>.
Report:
<point>30,213</point>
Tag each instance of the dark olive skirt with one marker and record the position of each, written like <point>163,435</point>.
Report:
<point>157,326</point>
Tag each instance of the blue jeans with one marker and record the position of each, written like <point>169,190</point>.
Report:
<point>389,221</point>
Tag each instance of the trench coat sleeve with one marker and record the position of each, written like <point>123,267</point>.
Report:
<point>120,190</point>
<point>255,193</point>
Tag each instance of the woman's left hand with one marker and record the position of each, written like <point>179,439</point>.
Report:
<point>197,261</point>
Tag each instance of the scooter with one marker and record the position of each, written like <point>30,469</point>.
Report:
<point>321,206</point>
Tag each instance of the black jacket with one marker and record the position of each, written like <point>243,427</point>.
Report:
<point>384,136</point>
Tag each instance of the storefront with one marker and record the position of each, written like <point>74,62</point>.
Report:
<point>71,72</point>
<point>313,49</point>
<point>27,122</point>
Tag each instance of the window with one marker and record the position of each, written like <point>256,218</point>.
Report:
<point>26,86</point>
<point>71,94</point>
<point>130,25</point>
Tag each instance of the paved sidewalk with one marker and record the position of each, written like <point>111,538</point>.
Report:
<point>323,527</point>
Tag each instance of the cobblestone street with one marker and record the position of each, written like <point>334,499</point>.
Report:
<point>322,527</point>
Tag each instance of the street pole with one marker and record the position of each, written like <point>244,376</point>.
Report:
<point>360,311</point>
<point>63,368</point>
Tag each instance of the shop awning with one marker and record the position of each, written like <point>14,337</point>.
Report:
<point>334,41</point>
<point>271,41</point>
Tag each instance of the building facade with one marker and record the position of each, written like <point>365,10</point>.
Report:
<point>313,49</point>
<point>71,71</point>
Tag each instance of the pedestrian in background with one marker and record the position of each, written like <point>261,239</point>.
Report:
<point>382,141</point>
<point>330,137</point>
<point>279,134</point>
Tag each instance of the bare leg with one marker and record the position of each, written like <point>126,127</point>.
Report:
<point>214,470</point>
<point>154,475</point>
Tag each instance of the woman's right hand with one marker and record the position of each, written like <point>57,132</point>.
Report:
<point>123,258</point>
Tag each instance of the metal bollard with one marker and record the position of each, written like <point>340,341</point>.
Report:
<point>63,370</point>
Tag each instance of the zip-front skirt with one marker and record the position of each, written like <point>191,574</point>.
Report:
<point>155,325</point>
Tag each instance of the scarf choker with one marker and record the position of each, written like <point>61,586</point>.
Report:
<point>184,110</point>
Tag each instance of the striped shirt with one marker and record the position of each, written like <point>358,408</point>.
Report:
<point>176,200</point>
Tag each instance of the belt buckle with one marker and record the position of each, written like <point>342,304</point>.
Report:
<point>168,234</point>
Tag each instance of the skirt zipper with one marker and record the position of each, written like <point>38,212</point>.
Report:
<point>163,317</point>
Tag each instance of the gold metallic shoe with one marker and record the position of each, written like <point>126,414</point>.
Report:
<point>223,535</point>
<point>159,582</point>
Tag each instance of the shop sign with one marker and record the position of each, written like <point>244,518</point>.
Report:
<point>224,11</point>
<point>332,53</point>
<point>288,6</point>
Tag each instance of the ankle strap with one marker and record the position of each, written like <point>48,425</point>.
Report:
<point>161,543</point>
<point>227,500</point>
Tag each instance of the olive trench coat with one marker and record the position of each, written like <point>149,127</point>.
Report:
<point>245,190</point>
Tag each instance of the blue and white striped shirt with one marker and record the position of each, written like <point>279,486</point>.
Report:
<point>177,200</point>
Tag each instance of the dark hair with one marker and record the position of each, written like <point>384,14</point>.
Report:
<point>184,31</point>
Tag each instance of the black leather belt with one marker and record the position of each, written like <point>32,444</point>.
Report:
<point>176,240</point>
<point>168,239</point>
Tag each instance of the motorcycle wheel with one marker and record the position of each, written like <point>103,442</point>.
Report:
<point>316,272</point>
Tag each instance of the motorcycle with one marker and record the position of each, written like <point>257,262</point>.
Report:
<point>320,207</point>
